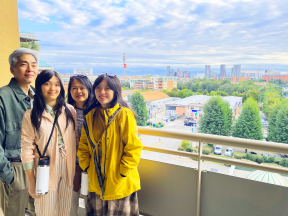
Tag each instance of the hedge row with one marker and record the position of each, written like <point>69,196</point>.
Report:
<point>261,158</point>
<point>188,149</point>
<point>206,150</point>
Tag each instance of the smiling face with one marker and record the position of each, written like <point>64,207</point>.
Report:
<point>25,70</point>
<point>51,90</point>
<point>104,94</point>
<point>79,92</point>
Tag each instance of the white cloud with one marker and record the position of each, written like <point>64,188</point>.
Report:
<point>164,30</point>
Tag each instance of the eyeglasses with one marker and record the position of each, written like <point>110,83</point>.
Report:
<point>108,74</point>
<point>77,75</point>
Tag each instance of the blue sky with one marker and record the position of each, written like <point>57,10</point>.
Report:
<point>159,33</point>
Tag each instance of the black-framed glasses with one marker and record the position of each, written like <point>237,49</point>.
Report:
<point>78,75</point>
<point>108,74</point>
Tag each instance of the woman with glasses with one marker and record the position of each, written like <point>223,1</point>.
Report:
<point>80,95</point>
<point>109,150</point>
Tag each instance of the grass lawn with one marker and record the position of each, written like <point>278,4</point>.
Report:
<point>222,156</point>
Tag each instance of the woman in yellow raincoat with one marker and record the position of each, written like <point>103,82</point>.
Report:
<point>109,150</point>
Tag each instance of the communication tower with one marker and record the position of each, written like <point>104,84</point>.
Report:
<point>124,65</point>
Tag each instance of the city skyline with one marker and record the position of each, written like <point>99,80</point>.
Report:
<point>157,34</point>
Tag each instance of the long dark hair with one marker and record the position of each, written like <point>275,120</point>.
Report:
<point>39,104</point>
<point>88,85</point>
<point>114,84</point>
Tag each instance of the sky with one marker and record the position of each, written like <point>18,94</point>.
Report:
<point>185,34</point>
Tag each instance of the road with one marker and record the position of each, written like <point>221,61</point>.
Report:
<point>173,144</point>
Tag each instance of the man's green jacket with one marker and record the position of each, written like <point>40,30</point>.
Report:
<point>13,103</point>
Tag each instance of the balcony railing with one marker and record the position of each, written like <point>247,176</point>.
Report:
<point>220,140</point>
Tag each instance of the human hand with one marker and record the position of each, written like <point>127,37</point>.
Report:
<point>31,191</point>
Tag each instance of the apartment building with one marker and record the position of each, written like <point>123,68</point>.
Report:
<point>154,83</point>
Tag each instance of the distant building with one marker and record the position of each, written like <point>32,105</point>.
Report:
<point>276,77</point>
<point>200,75</point>
<point>188,107</point>
<point>154,83</point>
<point>236,70</point>
<point>179,73</point>
<point>207,71</point>
<point>223,70</point>
<point>44,66</point>
<point>173,72</point>
<point>270,71</point>
<point>168,71</point>
<point>91,71</point>
<point>155,100</point>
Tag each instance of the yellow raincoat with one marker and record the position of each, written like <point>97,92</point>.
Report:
<point>121,151</point>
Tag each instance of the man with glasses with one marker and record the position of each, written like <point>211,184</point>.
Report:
<point>15,99</point>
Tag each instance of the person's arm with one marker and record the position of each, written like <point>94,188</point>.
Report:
<point>133,146</point>
<point>6,171</point>
<point>32,183</point>
<point>83,152</point>
<point>73,111</point>
<point>27,155</point>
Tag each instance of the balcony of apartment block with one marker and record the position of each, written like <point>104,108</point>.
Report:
<point>175,189</point>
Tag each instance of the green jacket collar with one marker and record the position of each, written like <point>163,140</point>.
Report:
<point>18,91</point>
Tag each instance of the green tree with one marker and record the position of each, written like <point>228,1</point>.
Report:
<point>186,93</point>
<point>126,84</point>
<point>31,45</point>
<point>165,91</point>
<point>212,93</point>
<point>184,144</point>
<point>248,125</point>
<point>221,93</point>
<point>278,123</point>
<point>138,104</point>
<point>269,102</point>
<point>217,118</point>
<point>253,94</point>
<point>225,81</point>
<point>239,95</point>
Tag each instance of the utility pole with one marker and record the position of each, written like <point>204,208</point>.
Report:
<point>124,65</point>
<point>187,68</point>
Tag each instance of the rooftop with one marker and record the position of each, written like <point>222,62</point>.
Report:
<point>43,64</point>
<point>149,95</point>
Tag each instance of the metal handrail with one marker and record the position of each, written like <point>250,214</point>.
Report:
<point>221,140</point>
<point>217,139</point>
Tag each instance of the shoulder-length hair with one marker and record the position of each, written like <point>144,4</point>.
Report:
<point>88,85</point>
<point>39,104</point>
<point>115,85</point>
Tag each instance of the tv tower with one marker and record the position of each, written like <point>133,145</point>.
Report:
<point>124,65</point>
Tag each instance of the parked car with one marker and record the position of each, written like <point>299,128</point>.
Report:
<point>277,156</point>
<point>253,153</point>
<point>267,155</point>
<point>283,156</point>
<point>188,119</point>
<point>172,118</point>
<point>189,123</point>
<point>228,152</point>
<point>218,150</point>
<point>165,118</point>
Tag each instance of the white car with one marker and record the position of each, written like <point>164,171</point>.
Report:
<point>228,152</point>
<point>218,150</point>
<point>165,118</point>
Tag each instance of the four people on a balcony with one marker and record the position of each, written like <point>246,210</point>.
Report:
<point>108,150</point>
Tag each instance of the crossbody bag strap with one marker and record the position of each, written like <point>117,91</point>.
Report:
<point>113,116</point>
<point>37,147</point>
